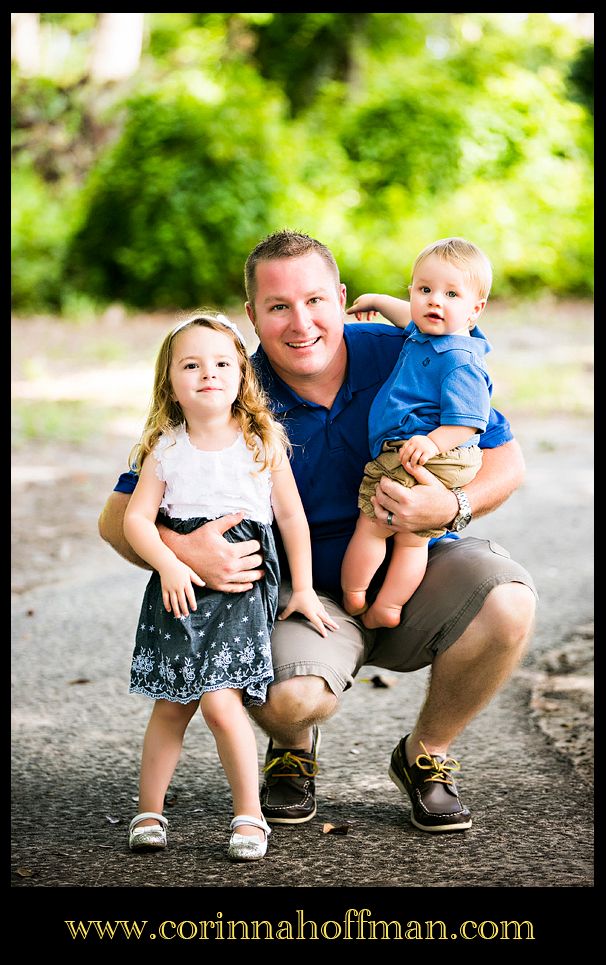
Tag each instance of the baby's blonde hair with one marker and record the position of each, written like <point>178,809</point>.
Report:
<point>465,256</point>
<point>263,435</point>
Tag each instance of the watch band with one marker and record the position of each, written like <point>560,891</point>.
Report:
<point>463,517</point>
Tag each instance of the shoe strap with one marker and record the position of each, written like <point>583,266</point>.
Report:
<point>147,814</point>
<point>153,829</point>
<point>241,819</point>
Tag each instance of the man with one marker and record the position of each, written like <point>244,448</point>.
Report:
<point>470,618</point>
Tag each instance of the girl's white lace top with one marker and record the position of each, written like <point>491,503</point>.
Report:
<point>211,484</point>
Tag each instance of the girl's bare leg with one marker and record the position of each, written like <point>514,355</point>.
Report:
<point>225,715</point>
<point>161,752</point>
<point>363,557</point>
<point>406,570</point>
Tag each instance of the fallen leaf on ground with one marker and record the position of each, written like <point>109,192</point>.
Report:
<point>170,802</point>
<point>335,828</point>
<point>25,873</point>
<point>378,681</point>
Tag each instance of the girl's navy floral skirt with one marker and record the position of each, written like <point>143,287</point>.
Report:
<point>224,643</point>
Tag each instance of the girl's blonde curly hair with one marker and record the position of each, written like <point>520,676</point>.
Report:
<point>263,435</point>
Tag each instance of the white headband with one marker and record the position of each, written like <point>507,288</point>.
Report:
<point>221,319</point>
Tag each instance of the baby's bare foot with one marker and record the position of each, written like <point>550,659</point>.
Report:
<point>354,602</point>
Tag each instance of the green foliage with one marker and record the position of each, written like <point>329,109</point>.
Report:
<point>580,77</point>
<point>320,48</point>
<point>54,129</point>
<point>53,145</point>
<point>375,132</point>
<point>171,212</point>
<point>412,138</point>
<point>460,145</point>
<point>74,22</point>
<point>39,234</point>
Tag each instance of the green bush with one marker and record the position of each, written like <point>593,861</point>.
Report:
<point>171,212</point>
<point>413,137</point>
<point>40,227</point>
<point>503,161</point>
<point>413,127</point>
<point>48,155</point>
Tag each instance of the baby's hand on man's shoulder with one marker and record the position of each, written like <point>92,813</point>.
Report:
<point>364,305</point>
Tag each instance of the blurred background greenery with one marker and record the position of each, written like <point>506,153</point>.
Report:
<point>151,152</point>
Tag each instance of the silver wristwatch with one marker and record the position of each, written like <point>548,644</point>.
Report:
<point>463,517</point>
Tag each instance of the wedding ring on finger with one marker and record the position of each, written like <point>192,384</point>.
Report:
<point>390,519</point>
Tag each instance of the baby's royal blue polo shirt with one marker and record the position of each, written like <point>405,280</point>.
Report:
<point>438,380</point>
<point>330,447</point>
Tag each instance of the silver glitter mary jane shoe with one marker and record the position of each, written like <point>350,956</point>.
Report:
<point>150,837</point>
<point>247,847</point>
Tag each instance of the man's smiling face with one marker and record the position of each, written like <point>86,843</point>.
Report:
<point>298,315</point>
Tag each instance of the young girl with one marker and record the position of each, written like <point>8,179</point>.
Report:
<point>210,447</point>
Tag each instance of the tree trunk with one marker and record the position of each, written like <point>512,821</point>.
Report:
<point>117,46</point>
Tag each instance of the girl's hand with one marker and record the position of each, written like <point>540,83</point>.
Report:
<point>177,590</point>
<point>417,450</point>
<point>307,603</point>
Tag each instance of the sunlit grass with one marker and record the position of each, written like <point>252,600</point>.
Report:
<point>63,421</point>
<point>544,389</point>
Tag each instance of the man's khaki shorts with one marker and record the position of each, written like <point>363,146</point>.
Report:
<point>460,574</point>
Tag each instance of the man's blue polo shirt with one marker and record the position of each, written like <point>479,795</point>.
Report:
<point>330,447</point>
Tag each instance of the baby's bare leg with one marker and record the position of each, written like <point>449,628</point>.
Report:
<point>364,555</point>
<point>406,570</point>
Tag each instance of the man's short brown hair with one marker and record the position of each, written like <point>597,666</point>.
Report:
<point>284,244</point>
